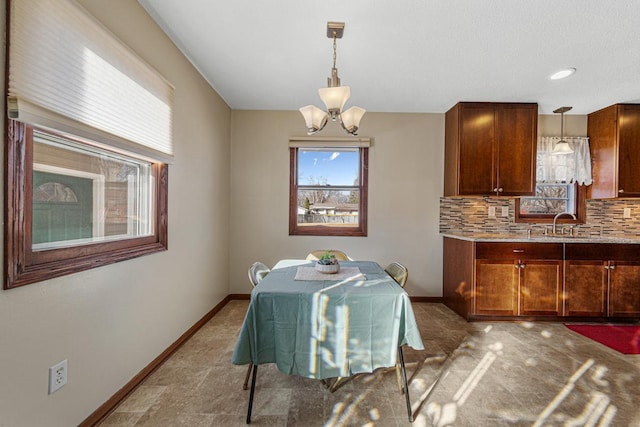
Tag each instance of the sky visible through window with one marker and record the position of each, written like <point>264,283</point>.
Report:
<point>327,167</point>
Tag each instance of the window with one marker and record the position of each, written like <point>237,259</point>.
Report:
<point>550,200</point>
<point>328,190</point>
<point>72,206</point>
<point>89,137</point>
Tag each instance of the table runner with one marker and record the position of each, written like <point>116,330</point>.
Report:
<point>345,273</point>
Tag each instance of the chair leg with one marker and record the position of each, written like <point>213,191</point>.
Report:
<point>406,387</point>
<point>253,387</point>
<point>246,378</point>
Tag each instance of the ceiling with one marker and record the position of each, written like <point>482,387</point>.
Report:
<point>413,55</point>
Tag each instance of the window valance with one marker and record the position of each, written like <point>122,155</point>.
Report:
<point>573,167</point>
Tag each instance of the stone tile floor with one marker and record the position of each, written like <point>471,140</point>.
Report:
<point>490,374</point>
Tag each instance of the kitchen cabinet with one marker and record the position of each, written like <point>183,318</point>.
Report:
<point>490,149</point>
<point>602,280</point>
<point>484,279</point>
<point>614,140</point>
<point>518,279</point>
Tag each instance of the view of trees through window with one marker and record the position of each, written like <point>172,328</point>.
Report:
<point>550,199</point>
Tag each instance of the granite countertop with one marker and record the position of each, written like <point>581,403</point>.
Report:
<point>538,238</point>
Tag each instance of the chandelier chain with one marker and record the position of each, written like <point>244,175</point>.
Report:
<point>334,49</point>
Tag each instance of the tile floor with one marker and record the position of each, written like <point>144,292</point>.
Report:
<point>491,374</point>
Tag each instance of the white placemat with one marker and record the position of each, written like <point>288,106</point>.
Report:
<point>345,273</point>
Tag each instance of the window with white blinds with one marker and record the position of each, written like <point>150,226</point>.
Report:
<point>68,73</point>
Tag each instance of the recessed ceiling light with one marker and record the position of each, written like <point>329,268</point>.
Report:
<point>562,74</point>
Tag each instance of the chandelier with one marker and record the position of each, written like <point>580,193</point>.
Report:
<point>334,97</point>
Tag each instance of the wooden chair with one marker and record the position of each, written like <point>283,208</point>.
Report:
<point>257,272</point>
<point>315,255</point>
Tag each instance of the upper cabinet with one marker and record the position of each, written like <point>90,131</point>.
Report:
<point>490,149</point>
<point>614,138</point>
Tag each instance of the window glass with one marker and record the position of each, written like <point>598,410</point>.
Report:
<point>82,194</point>
<point>550,199</point>
<point>328,191</point>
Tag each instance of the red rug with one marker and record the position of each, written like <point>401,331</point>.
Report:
<point>625,339</point>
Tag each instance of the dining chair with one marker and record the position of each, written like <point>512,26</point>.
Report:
<point>315,255</point>
<point>398,272</point>
<point>257,272</point>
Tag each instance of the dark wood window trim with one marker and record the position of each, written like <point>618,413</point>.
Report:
<point>24,266</point>
<point>581,211</point>
<point>359,231</point>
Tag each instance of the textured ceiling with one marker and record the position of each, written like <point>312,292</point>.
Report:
<point>413,55</point>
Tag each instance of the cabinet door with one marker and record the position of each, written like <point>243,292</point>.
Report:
<point>516,130</point>
<point>585,288</point>
<point>496,290</point>
<point>476,157</point>
<point>541,288</point>
<point>624,289</point>
<point>629,150</point>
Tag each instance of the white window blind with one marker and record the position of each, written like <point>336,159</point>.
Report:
<point>68,73</point>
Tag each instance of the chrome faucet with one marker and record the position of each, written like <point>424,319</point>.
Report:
<point>555,218</point>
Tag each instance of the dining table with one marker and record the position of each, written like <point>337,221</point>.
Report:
<point>322,326</point>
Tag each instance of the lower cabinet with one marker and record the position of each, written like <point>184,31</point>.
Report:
<point>602,280</point>
<point>487,279</point>
<point>522,279</point>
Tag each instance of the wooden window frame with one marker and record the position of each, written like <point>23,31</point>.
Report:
<point>359,231</point>
<point>23,265</point>
<point>581,211</point>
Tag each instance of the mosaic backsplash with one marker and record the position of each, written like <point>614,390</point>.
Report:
<point>471,215</point>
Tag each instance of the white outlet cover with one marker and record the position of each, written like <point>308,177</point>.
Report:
<point>492,211</point>
<point>505,211</point>
<point>57,376</point>
<point>627,213</point>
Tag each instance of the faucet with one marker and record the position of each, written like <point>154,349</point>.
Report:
<point>555,218</point>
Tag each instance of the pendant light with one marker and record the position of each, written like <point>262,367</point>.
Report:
<point>334,97</point>
<point>562,146</point>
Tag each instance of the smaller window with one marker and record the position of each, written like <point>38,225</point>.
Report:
<point>328,191</point>
<point>550,200</point>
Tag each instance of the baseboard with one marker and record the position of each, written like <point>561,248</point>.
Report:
<point>110,405</point>
<point>427,299</point>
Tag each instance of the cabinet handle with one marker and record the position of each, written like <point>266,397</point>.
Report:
<point>518,251</point>
<point>500,190</point>
<point>613,267</point>
<point>621,191</point>
<point>523,265</point>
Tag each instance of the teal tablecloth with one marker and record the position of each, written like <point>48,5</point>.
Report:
<point>325,329</point>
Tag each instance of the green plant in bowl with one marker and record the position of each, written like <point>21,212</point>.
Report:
<point>327,258</point>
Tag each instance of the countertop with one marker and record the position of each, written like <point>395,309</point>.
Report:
<point>539,238</point>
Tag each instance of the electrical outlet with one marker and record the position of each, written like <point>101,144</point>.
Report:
<point>57,376</point>
<point>492,211</point>
<point>505,211</point>
<point>627,213</point>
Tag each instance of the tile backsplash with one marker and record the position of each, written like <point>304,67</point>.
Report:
<point>471,215</point>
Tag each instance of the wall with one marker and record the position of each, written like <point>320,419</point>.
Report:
<point>112,321</point>
<point>405,183</point>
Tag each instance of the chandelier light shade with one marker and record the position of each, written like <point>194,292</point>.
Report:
<point>334,97</point>
<point>562,146</point>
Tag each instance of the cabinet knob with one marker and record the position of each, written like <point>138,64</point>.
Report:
<point>621,191</point>
<point>613,267</point>
<point>523,265</point>
<point>500,190</point>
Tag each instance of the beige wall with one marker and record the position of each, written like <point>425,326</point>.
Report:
<point>112,321</point>
<point>574,125</point>
<point>405,183</point>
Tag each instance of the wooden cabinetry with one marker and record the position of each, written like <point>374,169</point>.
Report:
<point>541,280</point>
<point>518,279</point>
<point>602,280</point>
<point>614,140</point>
<point>490,149</point>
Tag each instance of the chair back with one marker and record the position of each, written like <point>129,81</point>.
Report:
<point>257,272</point>
<point>398,272</point>
<point>340,256</point>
